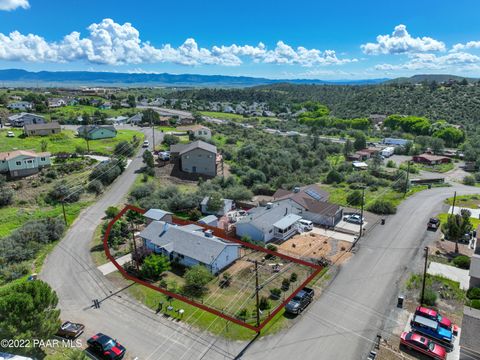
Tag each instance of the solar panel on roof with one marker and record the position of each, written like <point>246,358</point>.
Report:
<point>313,194</point>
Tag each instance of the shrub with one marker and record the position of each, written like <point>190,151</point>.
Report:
<point>382,207</point>
<point>154,265</point>
<point>264,303</point>
<point>354,198</point>
<point>462,262</point>
<point>196,280</point>
<point>108,171</point>
<point>293,277</point>
<point>469,180</point>
<point>95,187</point>
<point>124,149</point>
<point>111,212</point>
<point>6,196</point>
<point>275,293</point>
<point>391,164</point>
<point>61,192</point>
<point>474,293</point>
<point>333,176</point>
<point>474,304</point>
<point>430,297</point>
<point>285,284</point>
<point>171,139</point>
<point>242,314</point>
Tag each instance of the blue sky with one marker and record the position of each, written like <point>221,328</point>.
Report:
<point>275,39</point>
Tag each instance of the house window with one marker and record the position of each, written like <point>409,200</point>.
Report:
<point>42,159</point>
<point>18,163</point>
<point>199,155</point>
<point>29,161</point>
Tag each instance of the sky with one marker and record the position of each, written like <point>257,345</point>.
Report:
<point>343,39</point>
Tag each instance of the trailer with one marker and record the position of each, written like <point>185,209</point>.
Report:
<point>388,151</point>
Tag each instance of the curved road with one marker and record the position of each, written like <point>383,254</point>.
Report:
<point>342,324</point>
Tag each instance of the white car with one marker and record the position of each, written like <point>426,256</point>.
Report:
<point>306,225</point>
<point>146,144</point>
<point>354,219</point>
<point>164,155</point>
<point>10,134</point>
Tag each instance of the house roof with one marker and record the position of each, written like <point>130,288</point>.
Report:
<point>470,330</point>
<point>263,217</point>
<point>156,214</point>
<point>287,221</point>
<point>208,219</point>
<point>21,115</point>
<point>136,117</point>
<point>360,164</point>
<point>304,192</point>
<point>13,154</point>
<point>431,157</point>
<point>187,240</point>
<point>46,126</point>
<point>199,144</point>
<point>92,128</point>
<point>322,207</point>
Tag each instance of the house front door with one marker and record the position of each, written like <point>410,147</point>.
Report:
<point>194,169</point>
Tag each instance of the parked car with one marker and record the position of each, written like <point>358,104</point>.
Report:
<point>300,301</point>
<point>354,219</point>
<point>306,225</point>
<point>431,329</point>
<point>421,344</point>
<point>433,224</point>
<point>10,134</point>
<point>106,347</point>
<point>164,155</point>
<point>146,144</point>
<point>70,330</point>
<point>435,315</point>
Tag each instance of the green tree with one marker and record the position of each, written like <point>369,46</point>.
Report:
<point>360,141</point>
<point>469,180</point>
<point>437,145</point>
<point>171,139</point>
<point>148,159</point>
<point>44,145</point>
<point>28,311</point>
<point>154,265</point>
<point>354,198</point>
<point>150,116</point>
<point>196,280</point>
<point>124,149</point>
<point>333,176</point>
<point>215,202</point>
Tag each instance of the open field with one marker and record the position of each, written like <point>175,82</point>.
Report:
<point>73,111</point>
<point>66,141</point>
<point>468,201</point>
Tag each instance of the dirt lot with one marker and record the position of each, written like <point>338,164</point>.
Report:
<point>315,246</point>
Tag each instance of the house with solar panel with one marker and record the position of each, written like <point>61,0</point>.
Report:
<point>190,245</point>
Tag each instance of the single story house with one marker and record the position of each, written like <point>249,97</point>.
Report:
<point>21,163</point>
<point>311,203</point>
<point>210,220</point>
<point>94,132</point>
<point>20,105</point>
<point>197,157</point>
<point>227,206</point>
<point>430,159</point>
<point>395,142</point>
<point>198,131</point>
<point>275,221</point>
<point>42,129</point>
<point>22,119</point>
<point>364,154</point>
<point>135,119</point>
<point>118,120</point>
<point>158,215</point>
<point>56,102</point>
<point>190,245</point>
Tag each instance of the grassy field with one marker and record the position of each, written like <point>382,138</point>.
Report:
<point>469,201</point>
<point>440,168</point>
<point>221,115</point>
<point>444,217</point>
<point>66,141</point>
<point>73,111</point>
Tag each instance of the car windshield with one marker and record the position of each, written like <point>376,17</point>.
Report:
<point>431,346</point>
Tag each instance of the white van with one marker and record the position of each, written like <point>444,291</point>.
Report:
<point>306,225</point>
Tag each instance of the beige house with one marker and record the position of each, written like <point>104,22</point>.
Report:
<point>198,131</point>
<point>42,129</point>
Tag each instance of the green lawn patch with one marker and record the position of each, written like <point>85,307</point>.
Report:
<point>66,141</point>
<point>221,115</point>
<point>440,168</point>
<point>444,217</point>
<point>468,201</point>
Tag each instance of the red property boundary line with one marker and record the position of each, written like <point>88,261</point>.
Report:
<point>220,233</point>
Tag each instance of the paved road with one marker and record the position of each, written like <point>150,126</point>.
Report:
<point>340,325</point>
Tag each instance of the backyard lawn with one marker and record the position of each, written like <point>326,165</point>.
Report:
<point>66,141</point>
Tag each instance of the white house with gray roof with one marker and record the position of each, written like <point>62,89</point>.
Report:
<point>265,223</point>
<point>190,245</point>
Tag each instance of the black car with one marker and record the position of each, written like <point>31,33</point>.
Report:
<point>106,347</point>
<point>300,301</point>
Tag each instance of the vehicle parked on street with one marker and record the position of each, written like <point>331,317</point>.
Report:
<point>354,219</point>
<point>421,344</point>
<point>146,144</point>
<point>431,329</point>
<point>70,330</point>
<point>300,301</point>
<point>106,347</point>
<point>435,315</point>
<point>10,134</point>
<point>433,224</point>
<point>306,225</point>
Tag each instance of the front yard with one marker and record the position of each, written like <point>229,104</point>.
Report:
<point>66,141</point>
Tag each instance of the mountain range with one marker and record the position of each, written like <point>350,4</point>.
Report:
<point>71,78</point>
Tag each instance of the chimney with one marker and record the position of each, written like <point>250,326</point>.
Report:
<point>209,233</point>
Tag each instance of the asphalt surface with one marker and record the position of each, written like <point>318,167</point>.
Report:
<point>342,324</point>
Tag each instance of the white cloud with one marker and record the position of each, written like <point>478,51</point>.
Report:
<point>468,45</point>
<point>401,42</point>
<point>8,5</point>
<point>111,43</point>
<point>433,62</point>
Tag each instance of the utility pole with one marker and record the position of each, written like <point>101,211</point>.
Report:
<point>406,180</point>
<point>256,293</point>
<point>135,257</point>
<point>454,201</point>
<point>424,275</point>
<point>153,135</point>
<point>63,209</point>
<point>361,214</point>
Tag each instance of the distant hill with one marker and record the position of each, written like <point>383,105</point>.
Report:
<point>439,78</point>
<point>72,78</point>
